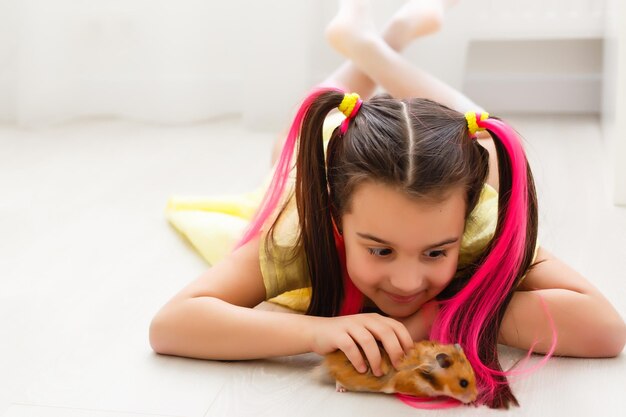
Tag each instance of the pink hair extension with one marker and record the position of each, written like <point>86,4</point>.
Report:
<point>353,297</point>
<point>530,351</point>
<point>281,173</point>
<point>462,318</point>
<point>429,403</point>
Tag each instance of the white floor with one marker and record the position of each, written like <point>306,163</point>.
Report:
<point>87,258</point>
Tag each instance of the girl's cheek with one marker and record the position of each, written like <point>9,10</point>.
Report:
<point>445,274</point>
<point>364,270</point>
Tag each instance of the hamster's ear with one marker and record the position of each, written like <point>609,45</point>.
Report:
<point>444,360</point>
<point>458,347</point>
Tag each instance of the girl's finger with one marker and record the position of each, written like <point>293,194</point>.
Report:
<point>403,335</point>
<point>387,335</point>
<point>368,343</point>
<point>350,348</point>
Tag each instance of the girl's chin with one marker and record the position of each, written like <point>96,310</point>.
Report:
<point>399,306</point>
<point>399,310</point>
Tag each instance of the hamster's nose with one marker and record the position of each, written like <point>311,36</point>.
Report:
<point>470,397</point>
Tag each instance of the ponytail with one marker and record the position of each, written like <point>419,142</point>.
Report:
<point>314,210</point>
<point>473,316</point>
<point>316,233</point>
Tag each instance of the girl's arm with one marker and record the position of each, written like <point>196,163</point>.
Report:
<point>212,318</point>
<point>587,325</point>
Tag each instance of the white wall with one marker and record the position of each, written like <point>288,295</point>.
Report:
<point>277,37</point>
<point>179,61</point>
<point>160,61</point>
<point>535,76</point>
<point>503,54</point>
<point>614,112</point>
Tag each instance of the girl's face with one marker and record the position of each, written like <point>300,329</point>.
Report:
<point>401,252</point>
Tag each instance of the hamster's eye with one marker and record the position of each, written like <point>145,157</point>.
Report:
<point>464,383</point>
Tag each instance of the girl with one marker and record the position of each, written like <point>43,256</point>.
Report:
<point>406,227</point>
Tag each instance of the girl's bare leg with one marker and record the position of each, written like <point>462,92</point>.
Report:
<point>357,40</point>
<point>415,19</point>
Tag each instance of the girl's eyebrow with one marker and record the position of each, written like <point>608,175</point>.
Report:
<point>384,242</point>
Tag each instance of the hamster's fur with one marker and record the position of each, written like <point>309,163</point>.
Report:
<point>430,369</point>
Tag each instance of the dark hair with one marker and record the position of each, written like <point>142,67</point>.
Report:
<point>416,146</point>
<point>423,149</point>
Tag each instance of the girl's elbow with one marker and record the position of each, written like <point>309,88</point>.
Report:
<point>158,334</point>
<point>154,336</point>
<point>617,340</point>
<point>609,342</point>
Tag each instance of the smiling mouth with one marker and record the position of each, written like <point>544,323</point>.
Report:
<point>402,299</point>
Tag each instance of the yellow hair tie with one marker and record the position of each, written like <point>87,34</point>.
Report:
<point>348,103</point>
<point>472,124</point>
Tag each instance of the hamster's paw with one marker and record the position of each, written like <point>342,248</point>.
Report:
<point>340,388</point>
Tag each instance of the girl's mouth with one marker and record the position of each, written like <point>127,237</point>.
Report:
<point>401,299</point>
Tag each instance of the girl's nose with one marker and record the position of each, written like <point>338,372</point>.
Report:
<point>408,278</point>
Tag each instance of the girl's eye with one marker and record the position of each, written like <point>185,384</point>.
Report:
<point>437,254</point>
<point>379,252</point>
<point>382,252</point>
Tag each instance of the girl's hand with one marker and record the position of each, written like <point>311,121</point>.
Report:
<point>420,323</point>
<point>347,333</point>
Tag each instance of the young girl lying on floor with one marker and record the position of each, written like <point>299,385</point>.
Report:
<point>415,218</point>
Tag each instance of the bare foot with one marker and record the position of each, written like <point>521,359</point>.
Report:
<point>416,18</point>
<point>351,27</point>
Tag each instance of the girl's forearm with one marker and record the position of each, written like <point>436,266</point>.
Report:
<point>586,324</point>
<point>209,328</point>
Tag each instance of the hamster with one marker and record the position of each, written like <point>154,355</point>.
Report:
<point>429,369</point>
